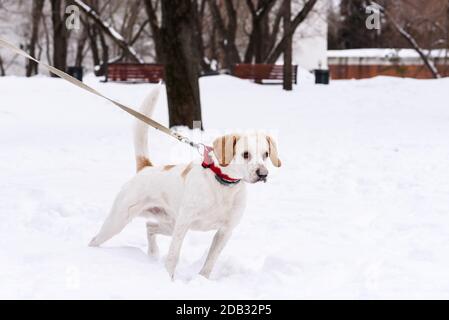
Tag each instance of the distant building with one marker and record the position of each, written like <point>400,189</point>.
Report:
<point>367,63</point>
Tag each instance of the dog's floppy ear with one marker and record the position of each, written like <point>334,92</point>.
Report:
<point>224,148</point>
<point>273,152</point>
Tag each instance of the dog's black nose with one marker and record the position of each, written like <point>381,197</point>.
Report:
<point>262,174</point>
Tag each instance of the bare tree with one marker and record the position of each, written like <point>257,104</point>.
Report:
<point>199,17</point>
<point>263,44</point>
<point>287,83</point>
<point>60,35</point>
<point>92,33</point>
<point>139,32</point>
<point>256,49</point>
<point>47,41</point>
<point>273,36</point>
<point>105,53</point>
<point>181,57</point>
<point>36,14</point>
<point>98,45</point>
<point>99,49</point>
<point>130,19</point>
<point>299,18</point>
<point>108,30</point>
<point>227,32</point>
<point>151,10</point>
<point>80,47</point>
<point>412,42</point>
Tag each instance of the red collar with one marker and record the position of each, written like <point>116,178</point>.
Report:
<point>208,163</point>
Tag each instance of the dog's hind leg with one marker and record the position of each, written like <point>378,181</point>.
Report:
<point>153,248</point>
<point>119,217</point>
<point>153,229</point>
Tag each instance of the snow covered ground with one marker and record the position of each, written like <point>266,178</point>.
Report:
<point>360,208</point>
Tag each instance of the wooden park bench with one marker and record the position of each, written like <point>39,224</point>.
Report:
<point>135,72</point>
<point>274,73</point>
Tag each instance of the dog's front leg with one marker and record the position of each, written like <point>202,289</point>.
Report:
<point>220,239</point>
<point>179,232</point>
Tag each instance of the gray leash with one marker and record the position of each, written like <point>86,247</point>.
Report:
<point>76,82</point>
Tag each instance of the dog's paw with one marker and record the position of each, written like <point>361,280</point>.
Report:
<point>154,257</point>
<point>171,274</point>
<point>170,266</point>
<point>205,273</point>
<point>153,253</point>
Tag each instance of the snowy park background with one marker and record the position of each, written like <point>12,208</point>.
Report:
<point>360,208</point>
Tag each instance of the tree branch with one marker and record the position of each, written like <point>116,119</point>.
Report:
<point>409,38</point>
<point>275,30</point>
<point>137,35</point>
<point>300,17</point>
<point>155,29</point>
<point>109,30</point>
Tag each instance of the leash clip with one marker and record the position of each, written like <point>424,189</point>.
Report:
<point>200,147</point>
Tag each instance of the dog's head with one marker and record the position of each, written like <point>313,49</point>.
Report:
<point>246,155</point>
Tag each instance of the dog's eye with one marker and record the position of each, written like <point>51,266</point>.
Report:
<point>265,155</point>
<point>245,155</point>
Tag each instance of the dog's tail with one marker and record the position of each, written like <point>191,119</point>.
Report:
<point>141,130</point>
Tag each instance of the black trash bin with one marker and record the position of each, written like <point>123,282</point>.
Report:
<point>321,76</point>
<point>76,72</point>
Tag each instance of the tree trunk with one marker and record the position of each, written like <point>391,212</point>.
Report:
<point>258,42</point>
<point>36,14</point>
<point>181,57</point>
<point>60,35</point>
<point>92,34</point>
<point>213,50</point>
<point>271,42</point>
<point>105,55</point>
<point>47,42</point>
<point>100,63</point>
<point>259,36</point>
<point>227,33</point>
<point>155,30</point>
<point>446,57</point>
<point>81,44</point>
<point>199,10</point>
<point>232,32</point>
<point>288,46</point>
<point>134,8</point>
<point>2,69</point>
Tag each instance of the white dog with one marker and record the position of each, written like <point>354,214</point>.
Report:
<point>177,198</point>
